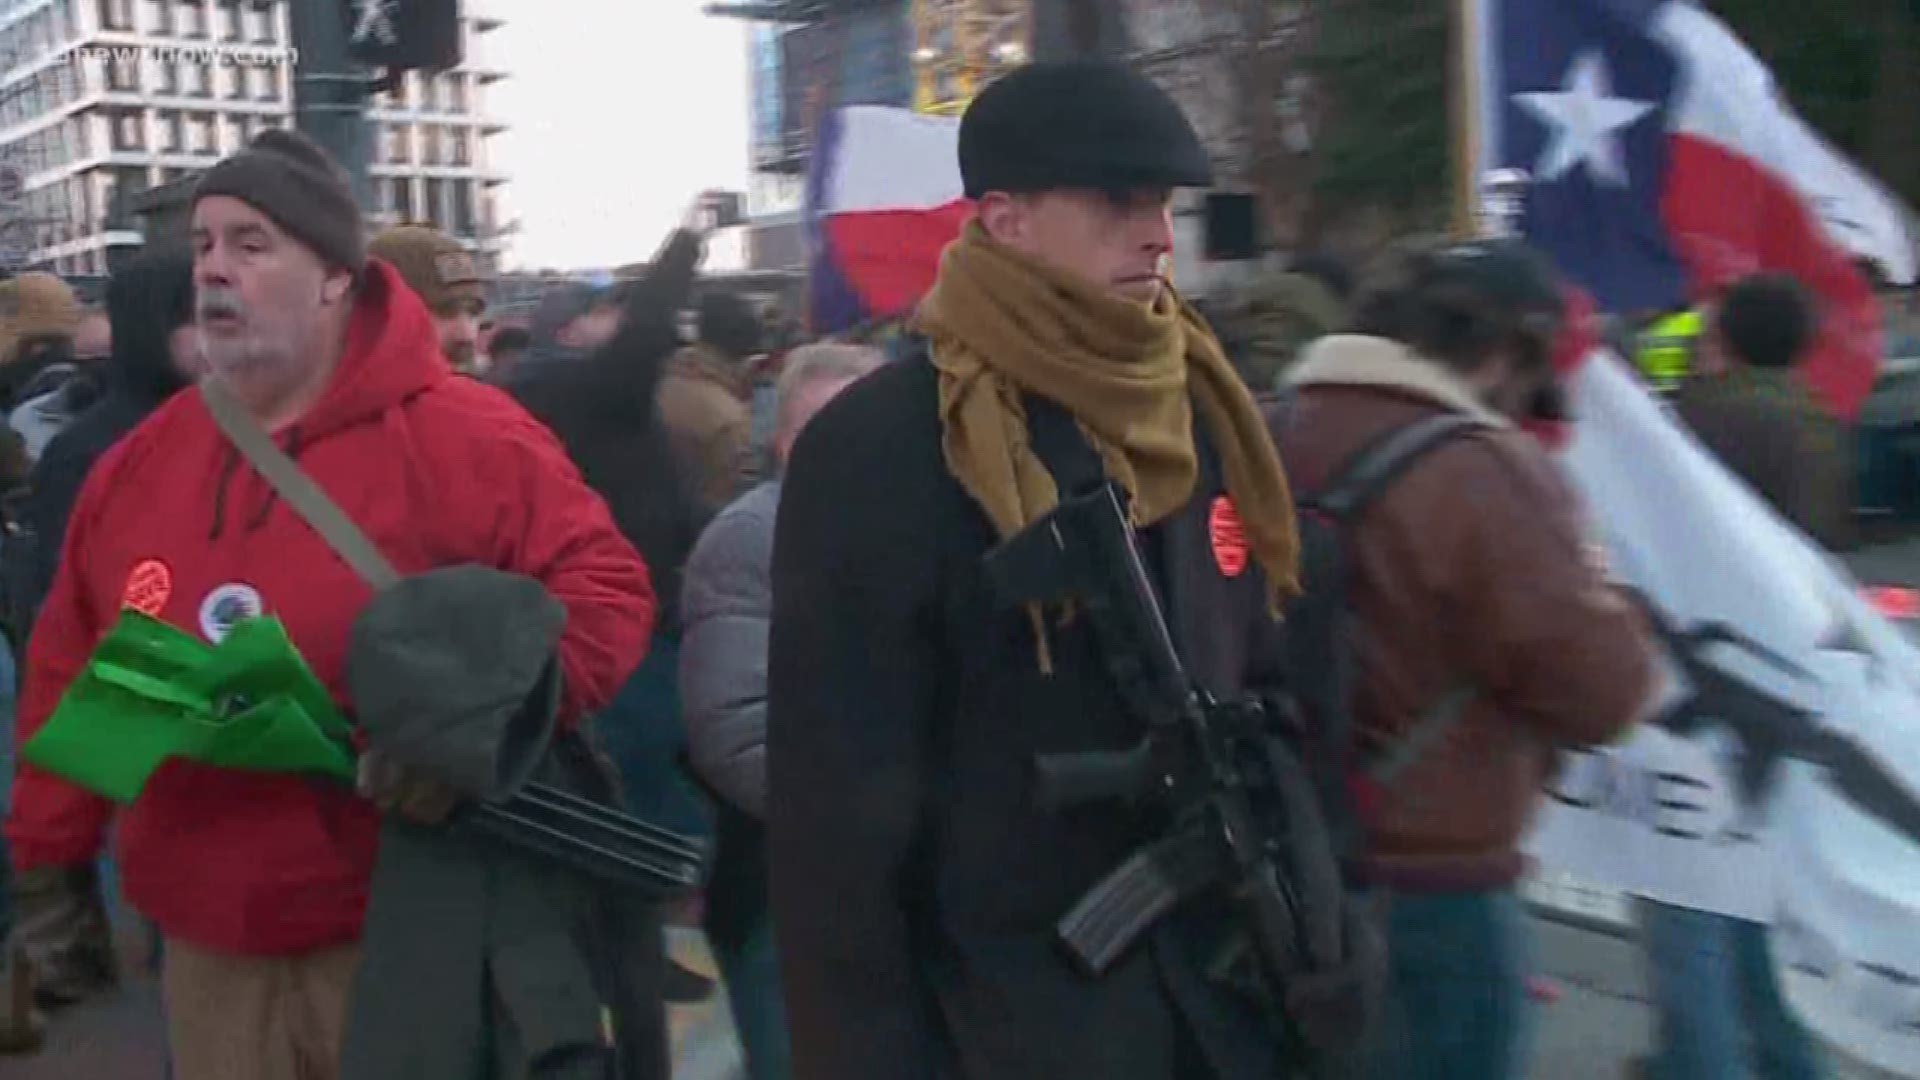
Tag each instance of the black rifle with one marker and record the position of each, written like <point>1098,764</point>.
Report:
<point>1244,821</point>
<point>1772,731</point>
<point>596,840</point>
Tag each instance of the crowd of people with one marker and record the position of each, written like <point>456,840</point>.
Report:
<point>775,633</point>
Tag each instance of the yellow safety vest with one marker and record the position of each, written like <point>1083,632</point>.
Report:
<point>1666,349</point>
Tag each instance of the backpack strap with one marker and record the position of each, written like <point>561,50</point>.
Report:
<point>1358,484</point>
<point>1368,474</point>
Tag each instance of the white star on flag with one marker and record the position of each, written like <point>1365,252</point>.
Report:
<point>1586,120</point>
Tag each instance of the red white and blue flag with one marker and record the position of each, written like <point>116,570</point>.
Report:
<point>883,199</point>
<point>1665,166</point>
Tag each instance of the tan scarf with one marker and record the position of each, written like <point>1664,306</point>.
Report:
<point>1001,323</point>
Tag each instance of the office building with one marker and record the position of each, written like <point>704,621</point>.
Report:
<point>104,100</point>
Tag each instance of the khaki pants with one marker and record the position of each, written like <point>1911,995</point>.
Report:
<point>256,1018</point>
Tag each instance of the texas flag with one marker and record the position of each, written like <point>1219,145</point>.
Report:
<point>883,198</point>
<point>1666,165</point>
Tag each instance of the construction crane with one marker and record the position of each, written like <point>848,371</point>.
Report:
<point>962,45</point>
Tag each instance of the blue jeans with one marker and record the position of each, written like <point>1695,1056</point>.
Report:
<point>1457,999</point>
<point>1721,1015</point>
<point>751,970</point>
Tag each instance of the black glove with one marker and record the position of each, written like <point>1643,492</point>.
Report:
<point>60,926</point>
<point>405,792</point>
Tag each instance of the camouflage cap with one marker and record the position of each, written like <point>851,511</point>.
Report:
<point>443,272</point>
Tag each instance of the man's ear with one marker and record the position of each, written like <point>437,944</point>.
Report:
<point>1002,216</point>
<point>335,288</point>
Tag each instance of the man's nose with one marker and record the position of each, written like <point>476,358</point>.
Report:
<point>1156,230</point>
<point>211,266</point>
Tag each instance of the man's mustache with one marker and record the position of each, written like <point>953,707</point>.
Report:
<point>216,305</point>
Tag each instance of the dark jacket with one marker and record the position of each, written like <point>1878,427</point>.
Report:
<point>146,302</point>
<point>38,369</point>
<point>1767,429</point>
<point>916,883</point>
<point>481,963</point>
<point>1472,570</point>
<point>603,409</point>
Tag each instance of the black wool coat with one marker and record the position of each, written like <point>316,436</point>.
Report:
<point>915,881</point>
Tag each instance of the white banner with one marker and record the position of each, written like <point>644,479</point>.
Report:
<point>1779,779</point>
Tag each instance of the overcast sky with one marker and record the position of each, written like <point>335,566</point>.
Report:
<point>620,111</point>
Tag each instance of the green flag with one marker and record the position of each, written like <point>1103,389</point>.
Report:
<point>152,692</point>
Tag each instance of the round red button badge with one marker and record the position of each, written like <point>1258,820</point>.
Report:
<point>149,588</point>
<point>1229,538</point>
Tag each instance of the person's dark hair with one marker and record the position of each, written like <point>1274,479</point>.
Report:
<point>1766,321</point>
<point>510,339</point>
<point>1458,304</point>
<point>729,323</point>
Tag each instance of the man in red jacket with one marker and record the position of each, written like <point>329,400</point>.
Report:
<point>258,881</point>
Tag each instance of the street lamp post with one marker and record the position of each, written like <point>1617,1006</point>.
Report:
<point>330,90</point>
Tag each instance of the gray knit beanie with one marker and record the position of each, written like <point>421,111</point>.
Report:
<point>288,177</point>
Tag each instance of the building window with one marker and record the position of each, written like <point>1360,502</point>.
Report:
<point>233,21</point>
<point>405,93</point>
<point>116,14</point>
<point>242,129</point>
<point>123,74</point>
<point>167,74</point>
<point>193,18</point>
<point>122,185</point>
<point>82,135</point>
<point>267,80</point>
<point>200,79</point>
<point>160,17</point>
<point>400,198</point>
<point>129,133</point>
<point>262,17</point>
<point>241,85</point>
<point>429,144</point>
<point>463,146</point>
<point>173,133</point>
<point>69,19</point>
<point>457,93</point>
<point>435,209</point>
<point>398,152</point>
<point>463,223</point>
<point>206,140</point>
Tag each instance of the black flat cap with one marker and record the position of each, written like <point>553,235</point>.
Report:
<point>1078,123</point>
